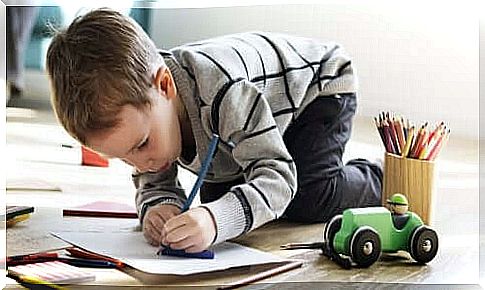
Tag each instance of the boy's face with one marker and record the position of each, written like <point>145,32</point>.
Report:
<point>148,139</point>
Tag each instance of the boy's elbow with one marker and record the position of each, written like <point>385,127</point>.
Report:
<point>292,180</point>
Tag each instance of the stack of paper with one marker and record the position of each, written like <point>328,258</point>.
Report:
<point>54,272</point>
<point>131,249</point>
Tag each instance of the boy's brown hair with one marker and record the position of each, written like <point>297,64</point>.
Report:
<point>100,63</point>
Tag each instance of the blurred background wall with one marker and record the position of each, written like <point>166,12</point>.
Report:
<point>418,59</point>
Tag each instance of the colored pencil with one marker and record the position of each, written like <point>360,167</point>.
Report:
<point>295,246</point>
<point>437,148</point>
<point>400,134</point>
<point>417,143</point>
<point>423,143</point>
<point>397,149</point>
<point>263,275</point>
<point>436,131</point>
<point>31,282</point>
<point>409,142</point>
<point>405,128</point>
<point>388,135</point>
<point>203,170</point>
<point>78,253</point>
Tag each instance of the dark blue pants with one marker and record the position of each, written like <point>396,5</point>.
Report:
<point>316,141</point>
<point>326,186</point>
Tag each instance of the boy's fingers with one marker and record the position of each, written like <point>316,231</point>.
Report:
<point>157,222</point>
<point>178,234</point>
<point>150,235</point>
<point>174,223</point>
<point>165,215</point>
<point>194,249</point>
<point>155,225</point>
<point>183,244</point>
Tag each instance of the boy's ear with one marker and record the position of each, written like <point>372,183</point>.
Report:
<point>165,83</point>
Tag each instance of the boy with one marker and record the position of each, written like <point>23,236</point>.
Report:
<point>282,106</point>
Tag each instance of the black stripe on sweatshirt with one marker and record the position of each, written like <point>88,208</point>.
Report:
<point>216,104</point>
<point>325,58</point>
<point>292,193</point>
<point>257,133</point>
<point>280,59</point>
<point>191,75</point>
<point>283,72</point>
<point>260,58</point>
<point>266,201</point>
<point>246,208</point>
<point>330,77</point>
<point>216,63</point>
<point>164,53</point>
<point>253,108</point>
<point>242,60</point>
<point>304,59</point>
<point>284,111</point>
<point>151,186</point>
<point>251,165</point>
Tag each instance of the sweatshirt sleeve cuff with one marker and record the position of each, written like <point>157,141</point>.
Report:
<point>158,201</point>
<point>229,216</point>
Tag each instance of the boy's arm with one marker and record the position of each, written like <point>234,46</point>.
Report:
<point>157,188</point>
<point>245,119</point>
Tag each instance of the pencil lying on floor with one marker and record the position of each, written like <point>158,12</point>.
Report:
<point>295,246</point>
<point>401,138</point>
<point>32,282</point>
<point>262,275</point>
<point>78,253</point>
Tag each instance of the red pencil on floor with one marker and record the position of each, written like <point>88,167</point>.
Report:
<point>74,252</point>
<point>30,258</point>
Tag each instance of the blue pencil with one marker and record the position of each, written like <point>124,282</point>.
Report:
<point>193,193</point>
<point>202,172</point>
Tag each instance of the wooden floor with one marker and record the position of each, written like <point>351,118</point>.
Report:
<point>34,153</point>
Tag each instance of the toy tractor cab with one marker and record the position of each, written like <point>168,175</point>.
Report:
<point>359,235</point>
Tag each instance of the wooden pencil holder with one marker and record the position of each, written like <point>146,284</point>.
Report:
<point>413,178</point>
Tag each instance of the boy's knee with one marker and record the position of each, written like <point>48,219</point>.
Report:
<point>311,215</point>
<point>319,201</point>
<point>315,202</point>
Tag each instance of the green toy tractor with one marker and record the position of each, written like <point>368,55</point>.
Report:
<point>361,234</point>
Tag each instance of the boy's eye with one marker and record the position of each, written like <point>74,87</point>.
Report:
<point>143,145</point>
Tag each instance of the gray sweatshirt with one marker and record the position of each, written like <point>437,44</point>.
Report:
<point>247,88</point>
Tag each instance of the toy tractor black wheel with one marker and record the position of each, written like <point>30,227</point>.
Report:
<point>333,226</point>
<point>331,229</point>
<point>423,244</point>
<point>365,247</point>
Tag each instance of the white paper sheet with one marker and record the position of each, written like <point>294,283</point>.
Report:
<point>132,249</point>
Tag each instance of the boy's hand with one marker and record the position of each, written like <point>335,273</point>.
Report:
<point>155,218</point>
<point>192,231</point>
